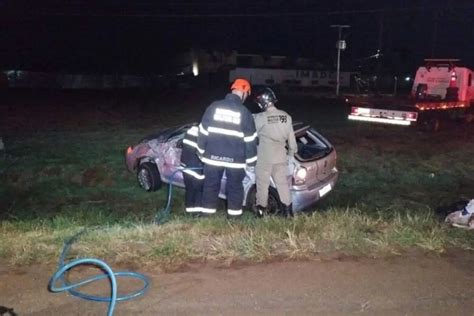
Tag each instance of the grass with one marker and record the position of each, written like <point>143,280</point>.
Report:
<point>348,231</point>
<point>56,183</point>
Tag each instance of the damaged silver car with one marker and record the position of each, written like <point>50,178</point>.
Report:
<point>311,175</point>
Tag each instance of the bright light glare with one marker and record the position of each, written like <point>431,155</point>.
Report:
<point>407,78</point>
<point>195,68</point>
<point>379,120</point>
<point>360,110</point>
<point>301,174</point>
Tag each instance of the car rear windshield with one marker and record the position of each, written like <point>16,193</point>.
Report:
<point>311,145</point>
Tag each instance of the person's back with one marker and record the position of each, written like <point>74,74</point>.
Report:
<point>225,123</point>
<point>227,143</point>
<point>274,127</point>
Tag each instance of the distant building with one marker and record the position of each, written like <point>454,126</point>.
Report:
<point>308,78</point>
<point>32,79</point>
<point>200,61</point>
<point>284,71</point>
<point>208,66</point>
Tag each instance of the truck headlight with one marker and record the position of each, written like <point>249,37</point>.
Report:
<point>299,176</point>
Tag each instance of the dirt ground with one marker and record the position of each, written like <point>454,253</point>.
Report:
<point>415,284</point>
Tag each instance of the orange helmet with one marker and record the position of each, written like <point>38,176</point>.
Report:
<point>241,85</point>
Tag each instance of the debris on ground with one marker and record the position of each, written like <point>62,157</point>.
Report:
<point>463,217</point>
<point>7,311</point>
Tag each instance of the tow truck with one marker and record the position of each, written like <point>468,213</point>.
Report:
<point>441,90</point>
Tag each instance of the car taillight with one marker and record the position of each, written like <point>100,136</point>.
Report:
<point>412,116</point>
<point>358,110</point>
<point>299,175</point>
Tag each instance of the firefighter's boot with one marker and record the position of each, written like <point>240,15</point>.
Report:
<point>261,211</point>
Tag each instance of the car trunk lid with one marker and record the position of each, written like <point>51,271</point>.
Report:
<point>315,154</point>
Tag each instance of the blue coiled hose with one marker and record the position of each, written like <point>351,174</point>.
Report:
<point>108,273</point>
<point>161,217</point>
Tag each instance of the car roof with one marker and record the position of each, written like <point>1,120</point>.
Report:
<point>166,134</point>
<point>300,127</point>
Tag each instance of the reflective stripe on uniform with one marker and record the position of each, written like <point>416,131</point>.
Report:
<point>193,131</point>
<point>250,160</point>
<point>201,151</point>
<point>249,139</point>
<point>203,130</point>
<point>193,209</point>
<point>194,174</point>
<point>228,112</point>
<point>228,116</point>
<point>234,212</point>
<point>223,163</point>
<point>225,131</point>
<point>208,210</point>
<point>190,143</point>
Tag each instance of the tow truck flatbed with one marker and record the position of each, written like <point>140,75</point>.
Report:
<point>440,90</point>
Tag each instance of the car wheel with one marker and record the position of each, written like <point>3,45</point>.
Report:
<point>148,177</point>
<point>274,206</point>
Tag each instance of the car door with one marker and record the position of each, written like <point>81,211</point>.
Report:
<point>171,151</point>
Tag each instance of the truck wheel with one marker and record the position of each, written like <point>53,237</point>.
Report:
<point>431,124</point>
<point>434,124</point>
<point>274,205</point>
<point>469,118</point>
<point>148,176</point>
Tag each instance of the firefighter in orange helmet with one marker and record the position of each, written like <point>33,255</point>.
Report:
<point>227,142</point>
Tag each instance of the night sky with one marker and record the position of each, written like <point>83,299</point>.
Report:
<point>138,36</point>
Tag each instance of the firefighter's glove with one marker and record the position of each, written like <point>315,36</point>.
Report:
<point>250,169</point>
<point>292,163</point>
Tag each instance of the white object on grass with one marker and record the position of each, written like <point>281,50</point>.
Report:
<point>463,218</point>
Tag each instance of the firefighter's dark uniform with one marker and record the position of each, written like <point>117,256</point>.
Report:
<point>227,142</point>
<point>193,177</point>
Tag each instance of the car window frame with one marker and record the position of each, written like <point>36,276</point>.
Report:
<point>308,131</point>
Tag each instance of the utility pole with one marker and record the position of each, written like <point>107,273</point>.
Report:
<point>434,37</point>
<point>379,50</point>
<point>341,45</point>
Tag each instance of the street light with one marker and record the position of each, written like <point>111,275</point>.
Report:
<point>341,45</point>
